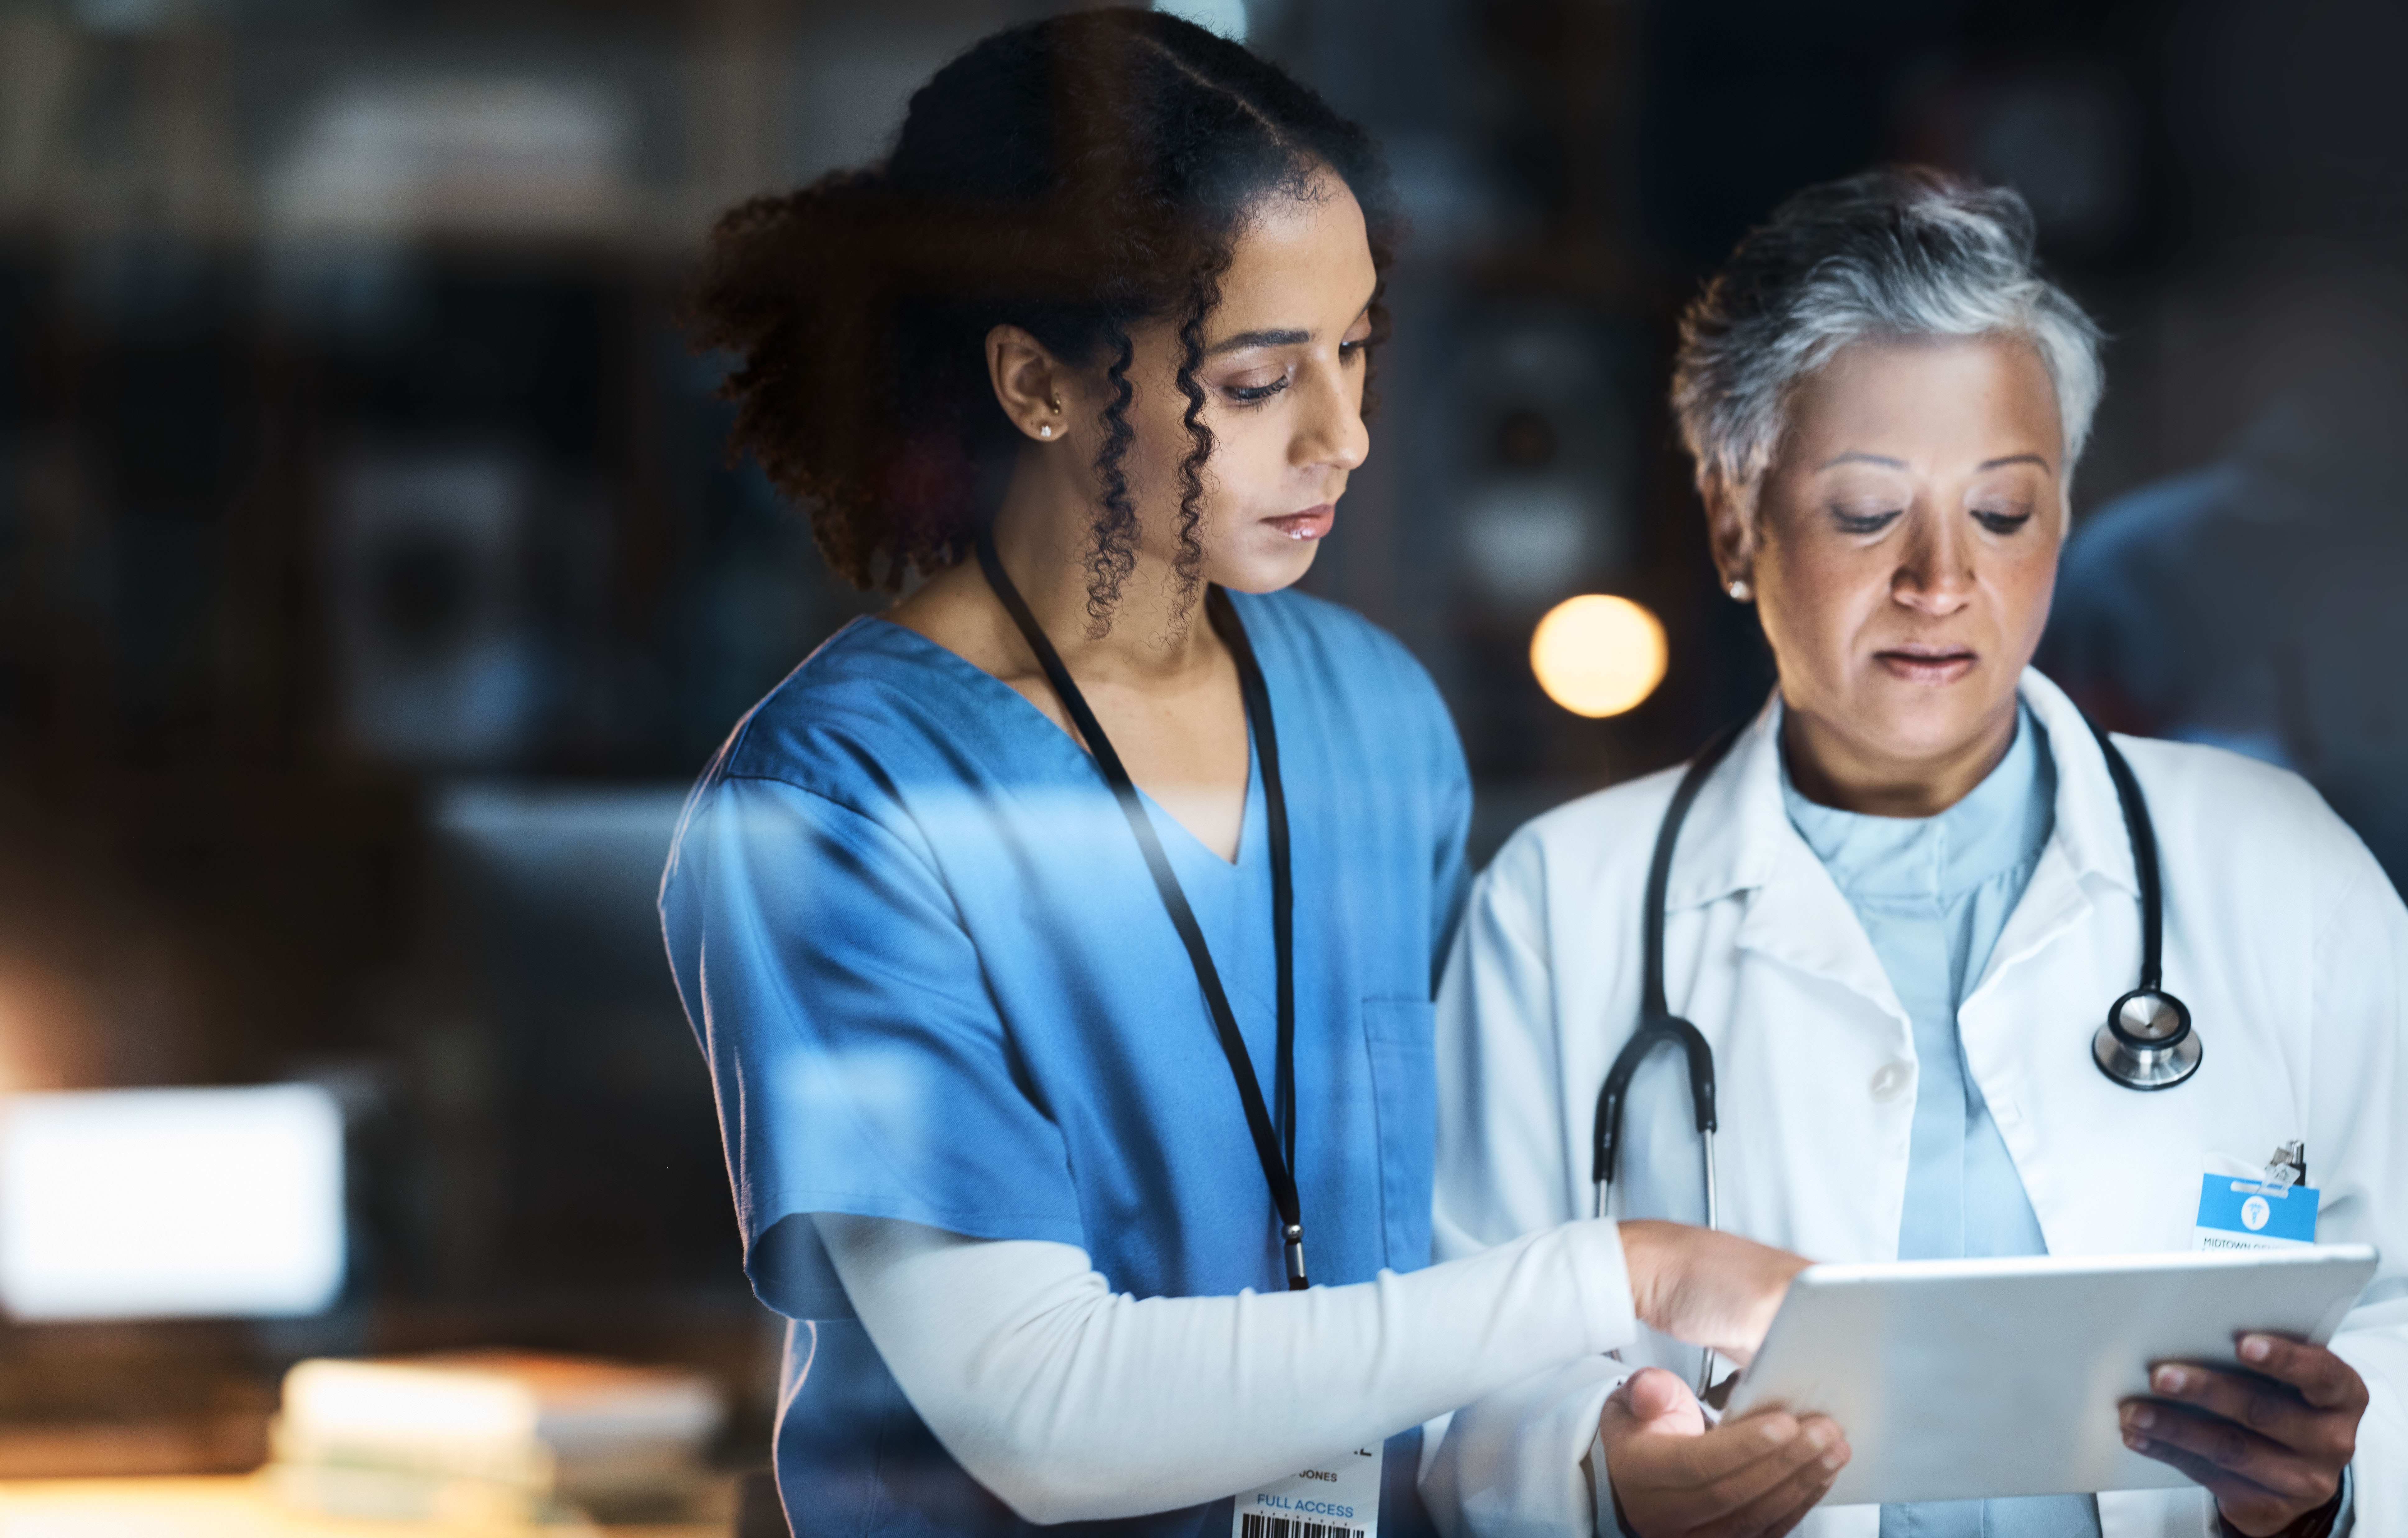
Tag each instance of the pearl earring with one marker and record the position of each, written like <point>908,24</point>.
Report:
<point>1738,590</point>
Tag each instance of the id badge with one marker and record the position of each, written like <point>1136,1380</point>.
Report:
<point>2240,1213</point>
<point>1339,1498</point>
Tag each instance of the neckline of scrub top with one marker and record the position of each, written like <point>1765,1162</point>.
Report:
<point>1999,827</point>
<point>978,677</point>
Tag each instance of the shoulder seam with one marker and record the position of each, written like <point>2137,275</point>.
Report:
<point>915,850</point>
<point>801,789</point>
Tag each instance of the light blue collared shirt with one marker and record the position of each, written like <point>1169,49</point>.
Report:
<point>1934,894</point>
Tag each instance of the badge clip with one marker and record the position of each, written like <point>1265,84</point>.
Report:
<point>2274,1212</point>
<point>2287,1167</point>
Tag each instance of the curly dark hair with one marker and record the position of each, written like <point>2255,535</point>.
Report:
<point>1073,177</point>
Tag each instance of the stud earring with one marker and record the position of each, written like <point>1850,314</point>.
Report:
<point>1057,405</point>
<point>1045,430</point>
<point>1738,590</point>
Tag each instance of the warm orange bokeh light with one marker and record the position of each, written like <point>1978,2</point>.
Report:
<point>1598,655</point>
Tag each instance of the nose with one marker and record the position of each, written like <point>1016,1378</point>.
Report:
<point>1935,573</point>
<point>1329,429</point>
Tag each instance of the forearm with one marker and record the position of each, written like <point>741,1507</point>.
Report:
<point>1072,1402</point>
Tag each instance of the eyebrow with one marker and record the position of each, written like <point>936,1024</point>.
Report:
<point>1283,337</point>
<point>1854,457</point>
<point>1245,340</point>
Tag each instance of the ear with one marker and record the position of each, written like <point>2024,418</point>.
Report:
<point>1730,526</point>
<point>1030,384</point>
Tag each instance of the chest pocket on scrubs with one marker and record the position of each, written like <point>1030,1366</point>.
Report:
<point>1401,1034</point>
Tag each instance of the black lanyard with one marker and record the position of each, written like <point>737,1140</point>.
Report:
<point>1279,1166</point>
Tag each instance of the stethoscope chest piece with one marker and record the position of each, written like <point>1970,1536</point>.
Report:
<point>2147,1042</point>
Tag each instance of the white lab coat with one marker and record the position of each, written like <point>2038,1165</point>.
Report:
<point>2281,934</point>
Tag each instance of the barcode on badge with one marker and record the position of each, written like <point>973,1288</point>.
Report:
<point>1255,1525</point>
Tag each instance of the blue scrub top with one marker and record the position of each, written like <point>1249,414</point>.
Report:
<point>1934,894</point>
<point>920,948</point>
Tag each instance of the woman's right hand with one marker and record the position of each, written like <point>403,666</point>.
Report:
<point>1706,1288</point>
<point>1671,1476</point>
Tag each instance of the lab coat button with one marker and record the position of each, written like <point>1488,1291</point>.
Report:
<point>1892,1081</point>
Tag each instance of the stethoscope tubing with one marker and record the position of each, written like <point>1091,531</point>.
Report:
<point>1657,1024</point>
<point>2133,1061</point>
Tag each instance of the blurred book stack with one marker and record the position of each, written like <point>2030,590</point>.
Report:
<point>491,1439</point>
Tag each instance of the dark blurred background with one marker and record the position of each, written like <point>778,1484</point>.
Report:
<point>372,578</point>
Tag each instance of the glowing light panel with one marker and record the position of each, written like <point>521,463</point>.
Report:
<point>1598,655</point>
<point>156,1204</point>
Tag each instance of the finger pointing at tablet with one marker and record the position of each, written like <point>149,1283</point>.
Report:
<point>2269,1443</point>
<point>1669,1474</point>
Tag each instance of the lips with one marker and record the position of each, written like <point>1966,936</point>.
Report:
<point>1929,664</point>
<point>1311,524</point>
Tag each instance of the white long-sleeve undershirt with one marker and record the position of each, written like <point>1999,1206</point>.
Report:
<point>1072,1402</point>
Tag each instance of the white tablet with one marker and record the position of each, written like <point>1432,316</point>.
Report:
<point>1957,1379</point>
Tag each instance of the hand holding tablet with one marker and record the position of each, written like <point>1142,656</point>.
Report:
<point>2269,1442</point>
<point>2059,1347</point>
<point>1669,1472</point>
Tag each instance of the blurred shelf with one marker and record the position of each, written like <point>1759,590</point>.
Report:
<point>223,1443</point>
<point>240,1506</point>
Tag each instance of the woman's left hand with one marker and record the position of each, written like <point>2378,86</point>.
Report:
<point>2268,1444</point>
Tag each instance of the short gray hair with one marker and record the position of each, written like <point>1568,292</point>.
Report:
<point>1896,252</point>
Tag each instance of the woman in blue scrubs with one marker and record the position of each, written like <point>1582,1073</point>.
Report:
<point>1062,941</point>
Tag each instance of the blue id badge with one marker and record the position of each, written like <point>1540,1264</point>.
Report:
<point>2240,1213</point>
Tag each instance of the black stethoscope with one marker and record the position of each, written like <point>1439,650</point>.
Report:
<point>2146,1044</point>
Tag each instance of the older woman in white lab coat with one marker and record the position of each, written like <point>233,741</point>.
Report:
<point>1899,911</point>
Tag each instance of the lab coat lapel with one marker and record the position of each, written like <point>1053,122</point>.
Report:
<point>2089,820</point>
<point>1740,838</point>
<point>2025,1025</point>
<point>1801,919</point>
<point>2087,846</point>
<point>2053,904</point>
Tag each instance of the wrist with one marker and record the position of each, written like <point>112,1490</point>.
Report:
<point>1621,1519</point>
<point>1643,1261</point>
<point>1612,1520</point>
<point>2317,1523</point>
